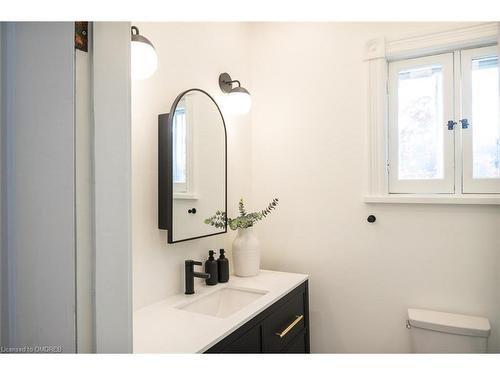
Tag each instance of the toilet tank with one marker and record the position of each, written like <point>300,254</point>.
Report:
<point>441,332</point>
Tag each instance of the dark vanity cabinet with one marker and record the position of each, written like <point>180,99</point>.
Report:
<point>281,328</point>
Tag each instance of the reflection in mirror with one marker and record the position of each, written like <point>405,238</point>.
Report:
<point>180,149</point>
<point>192,166</point>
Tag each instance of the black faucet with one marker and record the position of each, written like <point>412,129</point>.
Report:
<point>190,275</point>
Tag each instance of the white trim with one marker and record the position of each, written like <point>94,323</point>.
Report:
<point>377,91</point>
<point>112,189</point>
<point>191,196</point>
<point>375,49</point>
<point>443,41</point>
<point>1,199</point>
<point>83,199</point>
<point>378,52</point>
<point>457,115</point>
<point>432,42</point>
<point>434,199</point>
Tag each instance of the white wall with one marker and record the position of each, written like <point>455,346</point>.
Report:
<point>309,148</point>
<point>39,172</point>
<point>190,55</point>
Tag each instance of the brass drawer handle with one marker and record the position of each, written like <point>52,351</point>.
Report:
<point>283,333</point>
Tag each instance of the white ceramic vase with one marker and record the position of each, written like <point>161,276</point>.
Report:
<point>246,253</point>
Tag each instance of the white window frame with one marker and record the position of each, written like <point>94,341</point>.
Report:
<point>379,52</point>
<point>447,183</point>
<point>187,190</point>
<point>473,185</point>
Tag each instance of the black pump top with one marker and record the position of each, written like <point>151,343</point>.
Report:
<point>222,251</point>
<point>211,255</point>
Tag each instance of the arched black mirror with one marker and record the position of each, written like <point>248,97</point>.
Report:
<point>192,166</point>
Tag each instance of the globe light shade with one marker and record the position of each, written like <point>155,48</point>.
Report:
<point>144,60</point>
<point>239,101</point>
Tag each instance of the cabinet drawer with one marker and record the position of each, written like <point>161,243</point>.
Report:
<point>249,342</point>
<point>298,344</point>
<point>259,334</point>
<point>280,328</point>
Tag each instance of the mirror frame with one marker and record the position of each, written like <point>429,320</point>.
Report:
<point>165,169</point>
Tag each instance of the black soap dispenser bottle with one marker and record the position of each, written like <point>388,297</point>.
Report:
<point>211,269</point>
<point>223,265</point>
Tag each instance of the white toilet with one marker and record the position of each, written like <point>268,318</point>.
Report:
<point>440,332</point>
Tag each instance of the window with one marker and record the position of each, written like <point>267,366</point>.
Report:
<point>481,135</point>
<point>444,124</point>
<point>182,149</point>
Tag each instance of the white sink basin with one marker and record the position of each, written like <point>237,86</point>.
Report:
<point>223,302</point>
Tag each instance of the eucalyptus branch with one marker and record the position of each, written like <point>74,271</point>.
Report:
<point>245,220</point>
<point>271,206</point>
<point>241,208</point>
<point>218,220</point>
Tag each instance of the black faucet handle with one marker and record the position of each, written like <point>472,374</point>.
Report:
<point>190,262</point>
<point>190,274</point>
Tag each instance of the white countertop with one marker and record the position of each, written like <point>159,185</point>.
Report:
<point>163,328</point>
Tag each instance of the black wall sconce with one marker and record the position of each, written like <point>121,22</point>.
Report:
<point>239,99</point>
<point>144,59</point>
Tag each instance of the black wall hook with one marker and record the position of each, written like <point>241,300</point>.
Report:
<point>371,219</point>
<point>192,211</point>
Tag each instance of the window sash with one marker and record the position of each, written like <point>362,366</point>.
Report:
<point>422,186</point>
<point>471,184</point>
<point>180,145</point>
<point>186,187</point>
